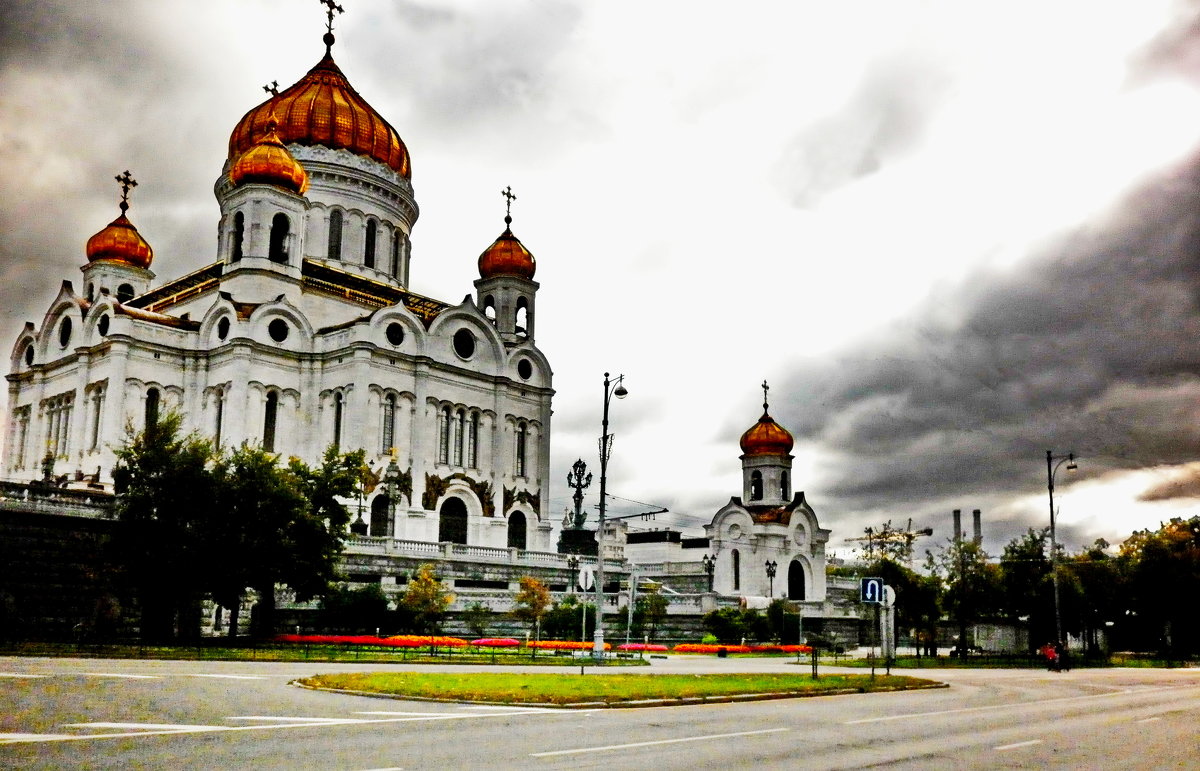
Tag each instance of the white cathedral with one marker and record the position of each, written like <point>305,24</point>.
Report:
<point>302,333</point>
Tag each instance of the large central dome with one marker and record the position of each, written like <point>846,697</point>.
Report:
<point>322,108</point>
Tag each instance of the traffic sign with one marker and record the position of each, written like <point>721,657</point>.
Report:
<point>871,590</point>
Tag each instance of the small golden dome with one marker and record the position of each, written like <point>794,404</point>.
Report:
<point>268,162</point>
<point>766,437</point>
<point>120,242</point>
<point>322,108</point>
<point>507,256</point>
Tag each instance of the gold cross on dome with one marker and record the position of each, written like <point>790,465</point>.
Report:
<point>330,8</point>
<point>272,88</point>
<point>508,194</point>
<point>765,389</point>
<point>127,183</point>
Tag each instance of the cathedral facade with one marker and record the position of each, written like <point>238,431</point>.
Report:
<point>302,334</point>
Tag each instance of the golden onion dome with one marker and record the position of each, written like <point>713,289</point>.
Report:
<point>120,242</point>
<point>268,162</point>
<point>322,108</point>
<point>766,437</point>
<point>507,256</point>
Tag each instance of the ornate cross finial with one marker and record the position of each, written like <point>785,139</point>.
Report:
<point>508,194</point>
<point>331,7</point>
<point>127,183</point>
<point>272,88</point>
<point>765,389</point>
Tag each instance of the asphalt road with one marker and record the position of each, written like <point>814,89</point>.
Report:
<point>89,713</point>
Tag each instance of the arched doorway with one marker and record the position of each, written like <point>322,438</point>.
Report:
<point>516,530</point>
<point>452,523</point>
<point>380,520</point>
<point>795,581</point>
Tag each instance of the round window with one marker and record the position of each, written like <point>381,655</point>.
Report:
<point>278,329</point>
<point>395,333</point>
<point>524,369</point>
<point>223,328</point>
<point>29,354</point>
<point>464,343</point>
<point>64,333</point>
<point>102,325</point>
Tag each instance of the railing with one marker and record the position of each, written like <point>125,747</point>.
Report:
<point>672,568</point>
<point>48,499</point>
<point>401,547</point>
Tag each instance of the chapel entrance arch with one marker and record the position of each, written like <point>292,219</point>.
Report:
<point>452,522</point>
<point>795,581</point>
<point>516,530</point>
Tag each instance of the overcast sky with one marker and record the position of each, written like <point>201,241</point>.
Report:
<point>951,235</point>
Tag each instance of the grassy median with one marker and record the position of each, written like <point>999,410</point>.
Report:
<point>613,689</point>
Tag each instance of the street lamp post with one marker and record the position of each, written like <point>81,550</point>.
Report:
<point>772,566</point>
<point>573,566</point>
<point>611,388</point>
<point>710,564</point>
<point>1051,470</point>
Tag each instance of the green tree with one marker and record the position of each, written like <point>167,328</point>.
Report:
<point>427,599</point>
<point>1099,593</point>
<point>1026,579</point>
<point>652,606</point>
<point>531,602</point>
<point>563,621</point>
<point>362,609</point>
<point>918,606</point>
<point>164,493</point>
<point>477,617</point>
<point>972,585</point>
<point>1163,569</point>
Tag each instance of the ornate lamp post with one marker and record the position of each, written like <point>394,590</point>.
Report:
<point>772,566</point>
<point>1051,470</point>
<point>611,388</point>
<point>391,487</point>
<point>573,566</point>
<point>578,479</point>
<point>710,564</point>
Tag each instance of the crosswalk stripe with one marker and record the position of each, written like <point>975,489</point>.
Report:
<point>121,675</point>
<point>147,726</point>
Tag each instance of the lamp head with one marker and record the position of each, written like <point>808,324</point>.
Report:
<point>620,393</point>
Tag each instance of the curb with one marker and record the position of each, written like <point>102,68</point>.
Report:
<point>632,704</point>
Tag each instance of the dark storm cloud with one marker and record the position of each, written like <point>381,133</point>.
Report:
<point>1089,346</point>
<point>883,118</point>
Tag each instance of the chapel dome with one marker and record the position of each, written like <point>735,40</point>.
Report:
<point>268,162</point>
<point>766,437</point>
<point>322,108</point>
<point>507,256</point>
<point>120,242</point>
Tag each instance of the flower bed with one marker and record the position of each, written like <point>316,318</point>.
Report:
<point>564,645</point>
<point>398,641</point>
<point>496,642</point>
<point>709,648</point>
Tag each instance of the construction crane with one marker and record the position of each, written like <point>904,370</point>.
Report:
<point>891,542</point>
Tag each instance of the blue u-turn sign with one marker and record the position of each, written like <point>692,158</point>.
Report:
<point>871,590</point>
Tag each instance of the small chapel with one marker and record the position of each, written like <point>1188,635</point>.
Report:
<point>302,333</point>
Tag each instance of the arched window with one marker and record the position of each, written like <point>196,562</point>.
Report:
<point>389,423</point>
<point>280,228</point>
<point>784,488</point>
<point>369,246</point>
<point>452,522</point>
<point>489,308</point>
<point>124,293</point>
<point>444,436</point>
<point>339,409</point>
<point>737,569</point>
<point>239,232</point>
<point>335,235</point>
<point>522,321</point>
<point>396,236</point>
<point>270,413</point>
<point>219,396</point>
<point>795,581</point>
<point>152,400</point>
<point>460,436</point>
<point>522,437</point>
<point>381,520</point>
<point>516,530</point>
<point>756,486</point>
<point>473,441</point>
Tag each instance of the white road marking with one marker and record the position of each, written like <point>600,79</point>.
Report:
<point>314,720</point>
<point>1029,743</point>
<point>1150,720</point>
<point>404,714</point>
<point>147,726</point>
<point>228,677</point>
<point>14,738</point>
<point>1015,705</point>
<point>706,737</point>
<point>20,675</point>
<point>121,675</point>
